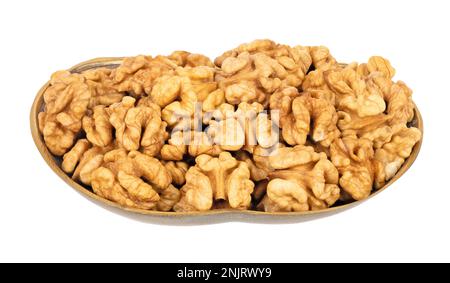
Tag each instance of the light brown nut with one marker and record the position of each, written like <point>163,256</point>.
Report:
<point>378,75</point>
<point>352,92</point>
<point>66,101</point>
<point>256,173</point>
<point>353,158</point>
<point>382,65</point>
<point>89,167</point>
<point>202,143</point>
<point>155,132</point>
<point>285,195</point>
<point>118,160</point>
<point>102,86</point>
<point>137,189</point>
<point>136,75</point>
<point>213,100</point>
<point>314,82</point>
<point>193,85</point>
<point>138,164</point>
<point>216,169</point>
<point>256,125</point>
<point>186,59</point>
<point>241,92</point>
<point>168,198</point>
<point>221,178</point>
<point>151,169</point>
<point>57,139</point>
<point>117,113</point>
<point>307,110</point>
<point>239,187</point>
<point>98,128</point>
<point>244,128</point>
<point>322,58</point>
<point>400,104</point>
<point>253,71</point>
<point>261,156</point>
<point>282,102</point>
<point>175,147</point>
<point>166,90</point>
<point>106,99</point>
<point>177,171</point>
<point>371,82</point>
<point>129,122</point>
<point>234,64</point>
<point>393,154</point>
<point>374,128</point>
<point>266,132</point>
<point>136,119</point>
<point>72,157</point>
<point>89,161</point>
<point>227,133</point>
<point>134,180</point>
<point>182,109</point>
<point>302,180</point>
<point>287,157</point>
<point>196,194</point>
<point>201,81</point>
<point>126,190</point>
<point>258,45</point>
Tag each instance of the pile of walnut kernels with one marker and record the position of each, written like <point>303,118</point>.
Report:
<point>343,129</point>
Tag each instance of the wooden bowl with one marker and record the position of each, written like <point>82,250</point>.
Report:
<point>55,162</point>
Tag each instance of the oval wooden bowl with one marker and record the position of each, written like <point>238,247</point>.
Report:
<point>54,163</point>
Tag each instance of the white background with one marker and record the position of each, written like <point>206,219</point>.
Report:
<point>43,219</point>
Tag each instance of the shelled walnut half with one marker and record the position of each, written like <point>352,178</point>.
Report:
<point>302,180</point>
<point>221,178</point>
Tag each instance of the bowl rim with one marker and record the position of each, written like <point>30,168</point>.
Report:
<point>113,61</point>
